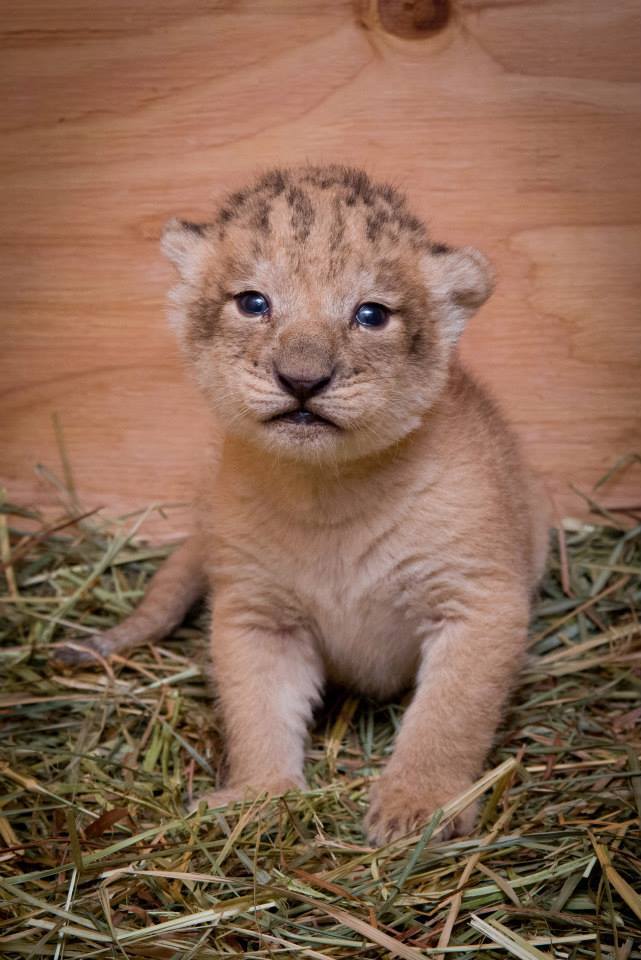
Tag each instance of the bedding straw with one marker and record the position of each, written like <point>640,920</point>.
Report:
<point>98,857</point>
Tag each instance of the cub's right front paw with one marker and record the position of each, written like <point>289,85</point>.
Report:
<point>248,791</point>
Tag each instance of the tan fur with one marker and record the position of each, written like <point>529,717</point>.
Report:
<point>398,548</point>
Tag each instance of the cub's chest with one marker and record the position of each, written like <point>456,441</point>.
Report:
<point>370,620</point>
<point>363,591</point>
<point>353,580</point>
<point>355,565</point>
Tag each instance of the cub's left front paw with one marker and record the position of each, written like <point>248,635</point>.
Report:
<point>399,807</point>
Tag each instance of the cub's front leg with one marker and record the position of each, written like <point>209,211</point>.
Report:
<point>268,681</point>
<point>464,679</point>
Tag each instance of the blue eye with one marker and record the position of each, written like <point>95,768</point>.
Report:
<point>252,303</point>
<point>372,315</point>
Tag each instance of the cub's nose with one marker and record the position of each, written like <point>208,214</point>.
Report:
<point>300,388</point>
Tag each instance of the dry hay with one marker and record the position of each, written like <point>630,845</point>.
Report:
<point>97,855</point>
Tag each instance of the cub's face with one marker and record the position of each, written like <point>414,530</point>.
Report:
<point>317,316</point>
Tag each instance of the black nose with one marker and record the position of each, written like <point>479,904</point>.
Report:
<point>300,388</point>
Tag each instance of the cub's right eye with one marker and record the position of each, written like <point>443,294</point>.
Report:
<point>252,303</point>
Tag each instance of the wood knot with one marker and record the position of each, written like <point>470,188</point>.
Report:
<point>410,19</point>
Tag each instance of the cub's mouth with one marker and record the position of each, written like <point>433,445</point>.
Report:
<point>303,418</point>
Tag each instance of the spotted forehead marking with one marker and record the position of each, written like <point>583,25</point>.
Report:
<point>378,207</point>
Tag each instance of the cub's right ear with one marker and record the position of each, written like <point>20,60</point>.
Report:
<point>185,244</point>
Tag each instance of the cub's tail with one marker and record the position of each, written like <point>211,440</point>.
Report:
<point>173,590</point>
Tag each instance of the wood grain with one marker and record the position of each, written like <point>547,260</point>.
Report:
<point>410,19</point>
<point>516,128</point>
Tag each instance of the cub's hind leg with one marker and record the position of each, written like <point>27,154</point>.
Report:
<point>177,585</point>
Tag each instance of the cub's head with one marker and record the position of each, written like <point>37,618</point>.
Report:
<point>317,315</point>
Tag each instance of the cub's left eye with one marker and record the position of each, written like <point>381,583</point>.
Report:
<point>372,315</point>
<point>252,303</point>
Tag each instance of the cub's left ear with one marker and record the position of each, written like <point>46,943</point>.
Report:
<point>459,281</point>
<point>185,244</point>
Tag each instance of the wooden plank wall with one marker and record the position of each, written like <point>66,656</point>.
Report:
<point>517,128</point>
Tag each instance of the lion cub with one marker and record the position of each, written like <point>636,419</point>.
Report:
<point>368,519</point>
